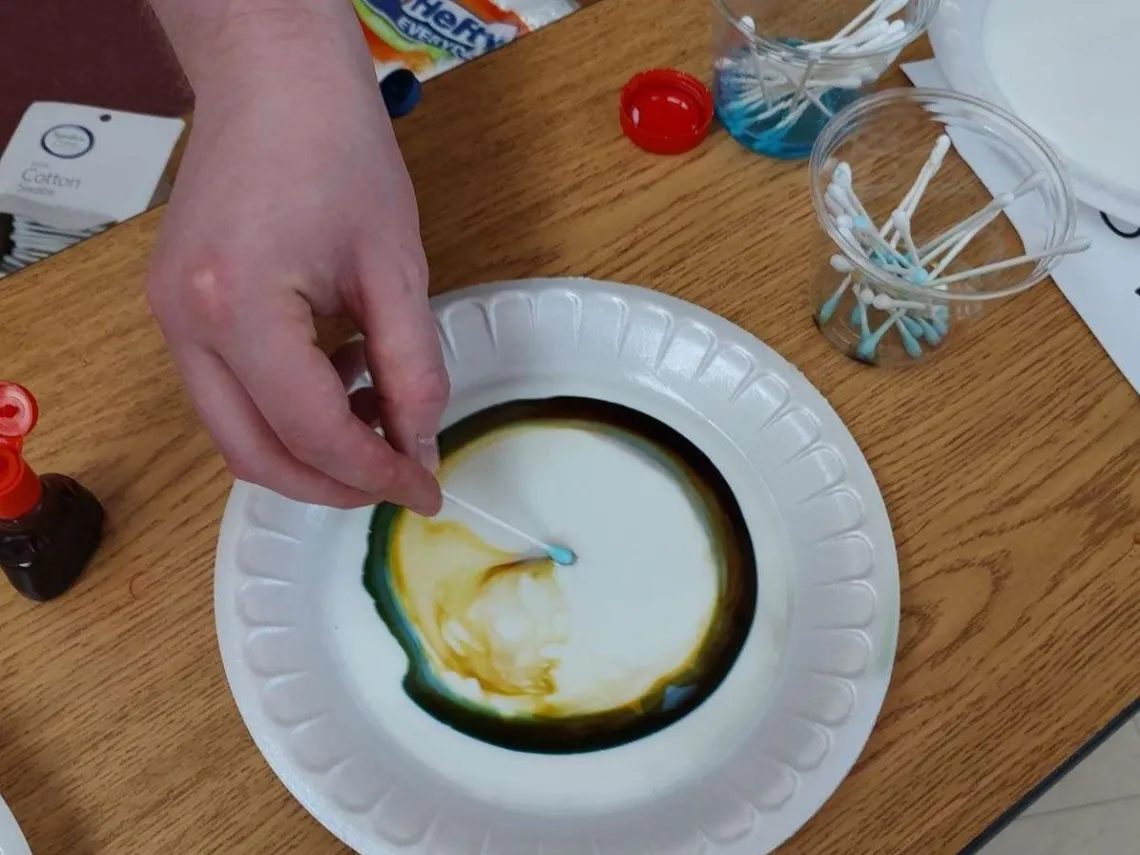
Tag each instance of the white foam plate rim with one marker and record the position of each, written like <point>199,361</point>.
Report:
<point>291,614</point>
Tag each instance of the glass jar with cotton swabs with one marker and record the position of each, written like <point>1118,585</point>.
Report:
<point>784,67</point>
<point>916,245</point>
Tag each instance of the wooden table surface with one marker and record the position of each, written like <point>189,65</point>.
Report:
<point>1011,469</point>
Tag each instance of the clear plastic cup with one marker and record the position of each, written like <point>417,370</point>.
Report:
<point>895,318</point>
<point>776,83</point>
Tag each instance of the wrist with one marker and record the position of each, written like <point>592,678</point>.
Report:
<point>231,48</point>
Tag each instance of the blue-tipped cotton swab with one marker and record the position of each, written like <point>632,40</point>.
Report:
<point>558,554</point>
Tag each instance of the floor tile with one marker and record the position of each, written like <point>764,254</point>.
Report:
<point>1111,772</point>
<point>1108,828</point>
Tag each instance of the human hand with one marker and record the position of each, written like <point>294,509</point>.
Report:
<point>292,200</point>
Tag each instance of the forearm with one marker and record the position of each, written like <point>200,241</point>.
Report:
<point>226,44</point>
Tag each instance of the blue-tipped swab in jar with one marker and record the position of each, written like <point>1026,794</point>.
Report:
<point>913,325</point>
<point>865,227</point>
<point>558,554</point>
<point>917,321</point>
<point>929,331</point>
<point>869,342</point>
<point>909,331</point>
<point>840,265</point>
<point>885,303</point>
<point>912,315</point>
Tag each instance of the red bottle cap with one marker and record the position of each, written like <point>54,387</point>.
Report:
<point>20,487</point>
<point>665,111</point>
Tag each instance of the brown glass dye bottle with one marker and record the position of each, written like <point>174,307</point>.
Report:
<point>50,527</point>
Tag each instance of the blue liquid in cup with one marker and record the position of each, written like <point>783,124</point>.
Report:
<point>734,100</point>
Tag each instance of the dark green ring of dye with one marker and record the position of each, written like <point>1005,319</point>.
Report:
<point>611,728</point>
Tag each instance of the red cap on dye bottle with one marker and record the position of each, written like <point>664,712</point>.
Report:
<point>665,111</point>
<point>20,487</point>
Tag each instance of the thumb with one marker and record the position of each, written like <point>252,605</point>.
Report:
<point>405,359</point>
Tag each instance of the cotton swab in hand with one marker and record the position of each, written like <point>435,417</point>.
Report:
<point>558,554</point>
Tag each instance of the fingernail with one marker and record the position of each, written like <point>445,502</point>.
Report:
<point>427,451</point>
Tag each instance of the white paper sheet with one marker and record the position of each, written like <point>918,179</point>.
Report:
<point>1103,284</point>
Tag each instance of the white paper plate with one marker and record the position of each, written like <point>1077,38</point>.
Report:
<point>959,38</point>
<point>317,676</point>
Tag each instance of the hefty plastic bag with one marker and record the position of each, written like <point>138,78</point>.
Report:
<point>430,36</point>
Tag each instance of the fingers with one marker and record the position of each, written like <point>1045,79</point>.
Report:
<point>403,352</point>
<point>248,445</point>
<point>300,397</point>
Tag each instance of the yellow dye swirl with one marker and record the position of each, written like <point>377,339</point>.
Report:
<point>483,614</point>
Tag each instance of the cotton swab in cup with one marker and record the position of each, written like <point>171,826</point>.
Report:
<point>879,8</point>
<point>926,311</point>
<point>925,175</point>
<point>774,95</point>
<point>980,219</point>
<point>962,242</point>
<point>1069,248</point>
<point>914,319</point>
<point>558,554</point>
<point>858,21</point>
<point>901,221</point>
<point>872,41</point>
<point>910,204</point>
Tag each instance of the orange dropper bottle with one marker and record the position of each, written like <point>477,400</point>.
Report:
<point>50,526</point>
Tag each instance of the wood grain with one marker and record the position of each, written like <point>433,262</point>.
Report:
<point>1011,469</point>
